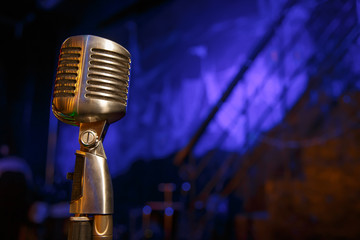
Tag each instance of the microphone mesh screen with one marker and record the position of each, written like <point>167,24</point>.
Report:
<point>67,72</point>
<point>108,76</point>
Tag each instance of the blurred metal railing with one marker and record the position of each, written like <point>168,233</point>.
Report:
<point>336,35</point>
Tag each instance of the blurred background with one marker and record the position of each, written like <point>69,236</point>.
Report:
<point>242,121</point>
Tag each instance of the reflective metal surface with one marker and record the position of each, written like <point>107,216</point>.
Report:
<point>98,129</point>
<point>102,227</point>
<point>92,80</point>
<point>80,228</point>
<point>90,91</point>
<point>92,192</point>
<point>97,193</point>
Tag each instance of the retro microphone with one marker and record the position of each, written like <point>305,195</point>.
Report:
<point>90,91</point>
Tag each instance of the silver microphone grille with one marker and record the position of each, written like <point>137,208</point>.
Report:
<point>67,72</point>
<point>92,80</point>
<point>108,76</point>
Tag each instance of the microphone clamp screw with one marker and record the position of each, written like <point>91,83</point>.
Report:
<point>88,138</point>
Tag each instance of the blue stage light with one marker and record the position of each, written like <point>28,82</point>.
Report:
<point>147,210</point>
<point>169,211</point>
<point>186,186</point>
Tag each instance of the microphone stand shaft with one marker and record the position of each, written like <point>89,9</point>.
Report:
<point>92,193</point>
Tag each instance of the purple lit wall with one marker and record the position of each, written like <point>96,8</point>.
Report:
<point>184,55</point>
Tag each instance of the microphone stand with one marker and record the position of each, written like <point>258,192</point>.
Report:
<point>92,194</point>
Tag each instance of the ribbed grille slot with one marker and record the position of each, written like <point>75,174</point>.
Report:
<point>107,52</point>
<point>122,61</point>
<point>117,74</point>
<point>108,76</point>
<point>113,79</point>
<point>119,67</point>
<point>67,69</point>
<point>66,82</point>
<point>70,55</point>
<point>69,62</point>
<point>121,88</point>
<point>109,92</point>
<point>67,72</point>
<point>101,97</point>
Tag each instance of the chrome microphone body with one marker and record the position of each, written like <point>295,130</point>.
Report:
<point>90,91</point>
<point>92,80</point>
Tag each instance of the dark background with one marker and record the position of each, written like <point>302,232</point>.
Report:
<point>279,160</point>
